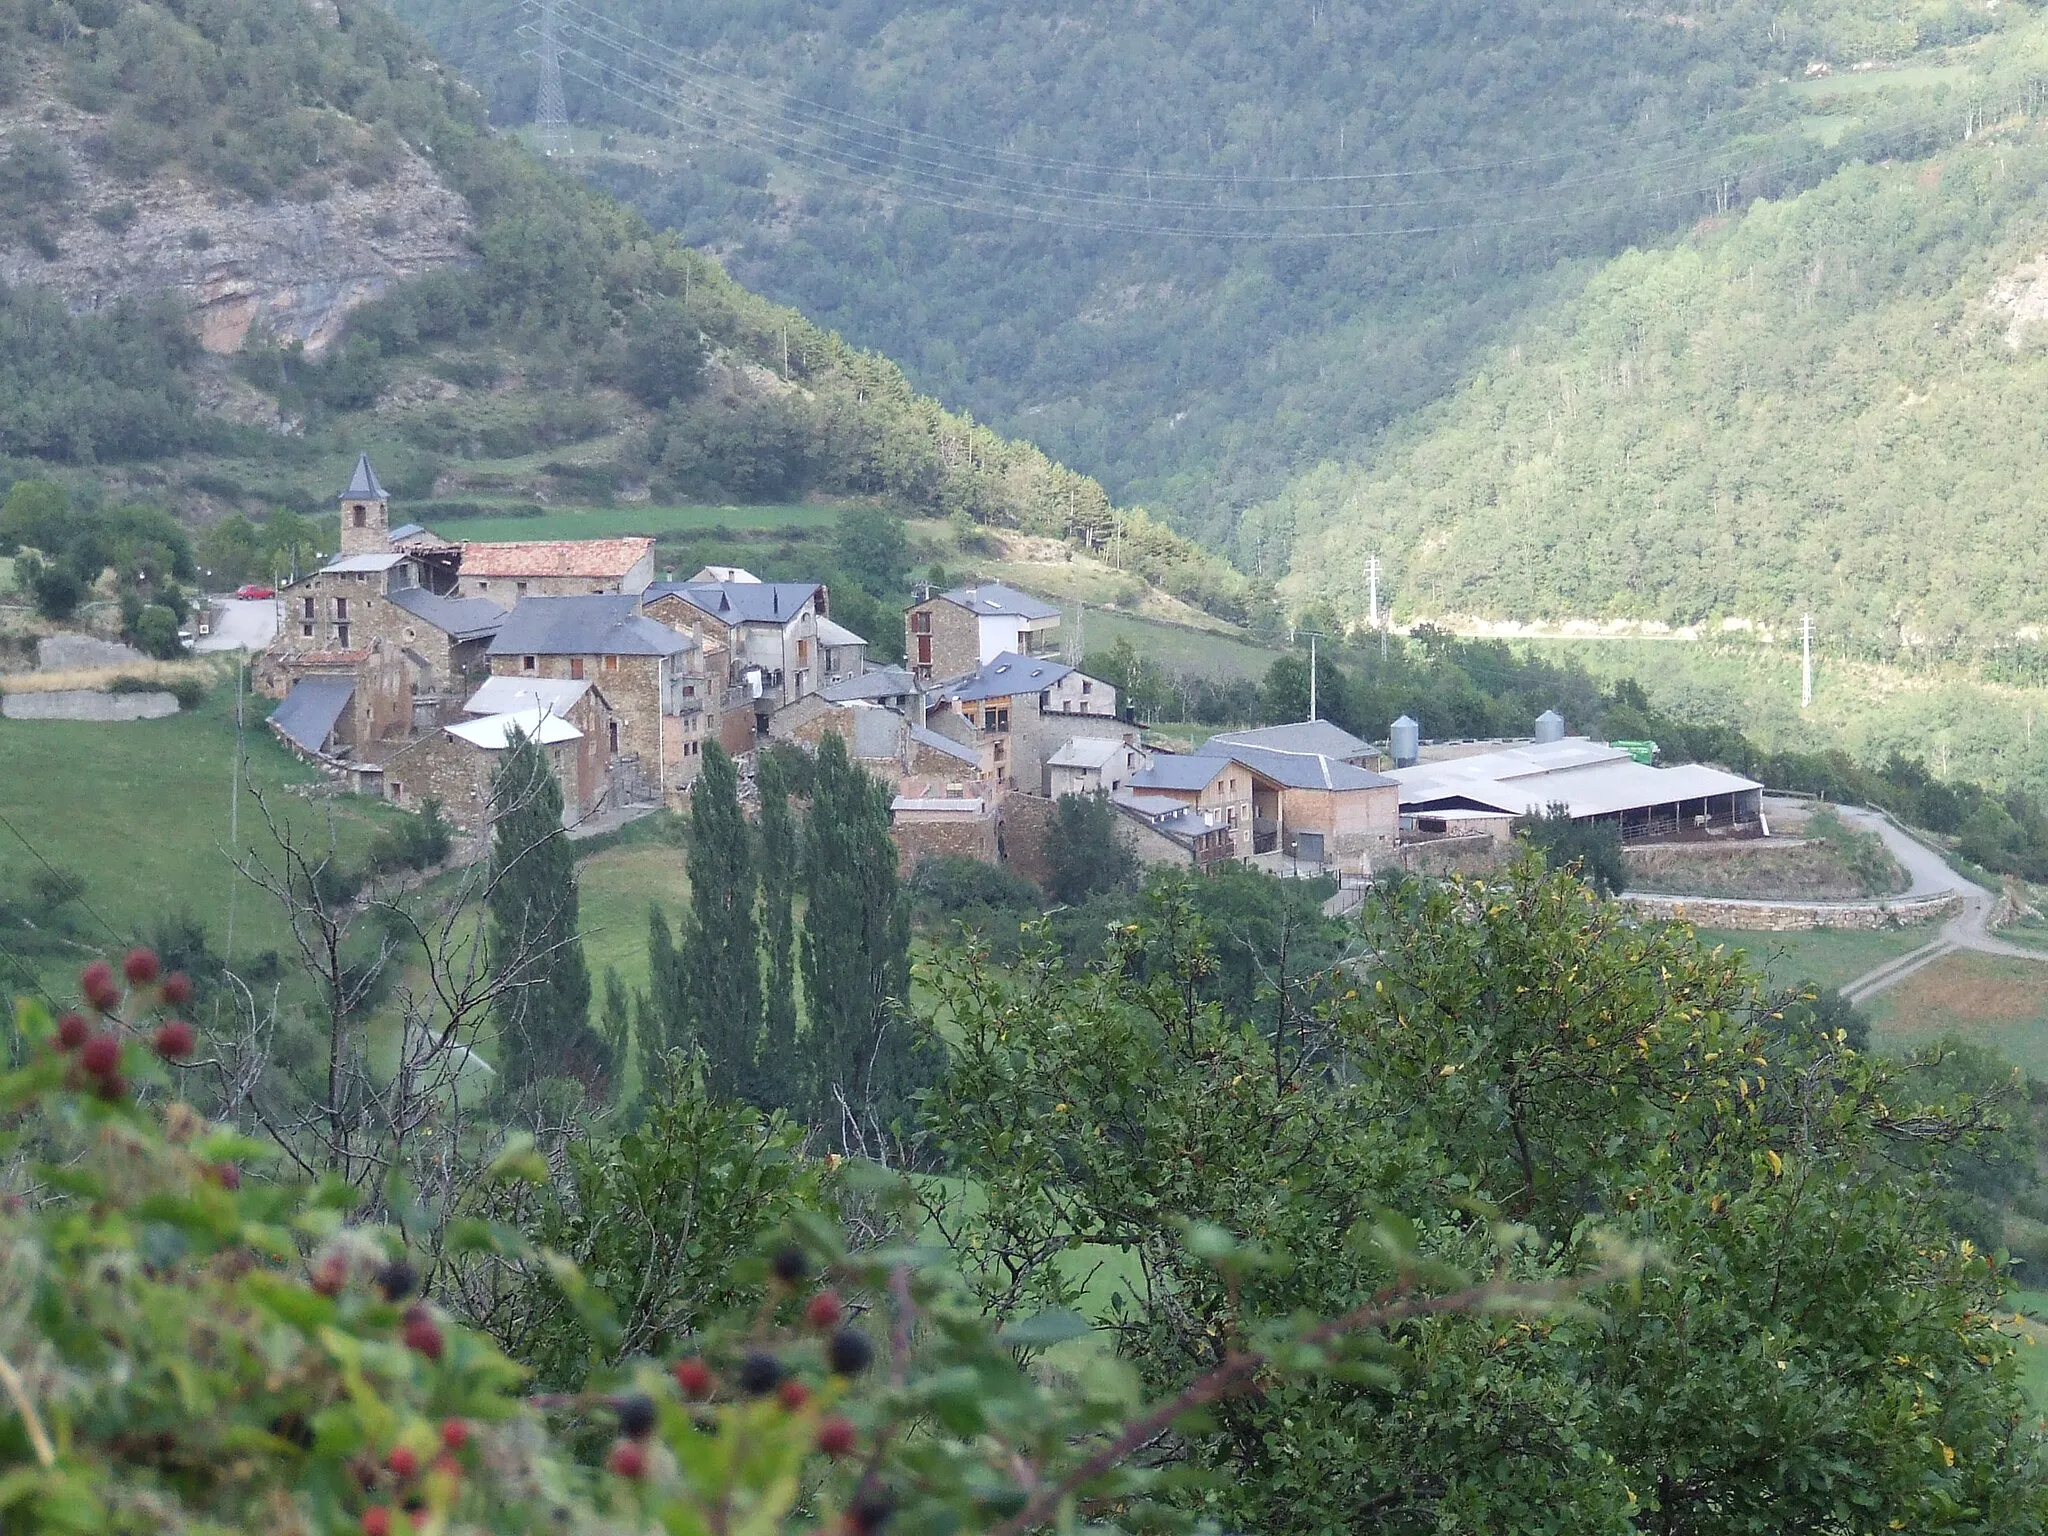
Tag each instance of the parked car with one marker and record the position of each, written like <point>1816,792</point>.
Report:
<point>254,591</point>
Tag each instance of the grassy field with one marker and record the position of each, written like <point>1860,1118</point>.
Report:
<point>616,522</point>
<point>615,888</point>
<point>1986,999</point>
<point>1828,957</point>
<point>2030,1325</point>
<point>1200,652</point>
<point>140,811</point>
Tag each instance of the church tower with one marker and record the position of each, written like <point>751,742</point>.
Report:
<point>365,513</point>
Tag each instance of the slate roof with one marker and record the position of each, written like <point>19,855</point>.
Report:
<point>1171,771</point>
<point>460,618</point>
<point>306,717</point>
<point>1311,736</point>
<point>1007,674</point>
<point>588,559</point>
<point>406,531</point>
<point>925,736</point>
<point>362,485</point>
<point>1087,752</point>
<point>830,633</point>
<point>739,602</point>
<point>610,624</point>
<point>1299,770</point>
<point>510,695</point>
<point>875,683</point>
<point>993,598</point>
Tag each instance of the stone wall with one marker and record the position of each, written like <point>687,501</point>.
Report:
<point>1471,854</point>
<point>71,653</point>
<point>87,704</point>
<point>934,835</point>
<point>955,641</point>
<point>1027,834</point>
<point>1794,916</point>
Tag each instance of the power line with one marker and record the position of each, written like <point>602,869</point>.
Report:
<point>59,874</point>
<point>550,116</point>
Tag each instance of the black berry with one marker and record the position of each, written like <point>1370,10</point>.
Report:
<point>849,1353</point>
<point>791,1266</point>
<point>871,1511</point>
<point>397,1280</point>
<point>760,1373</point>
<point>636,1416</point>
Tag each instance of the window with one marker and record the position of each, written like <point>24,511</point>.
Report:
<point>483,586</point>
<point>1086,686</point>
<point>611,663</point>
<point>576,668</point>
<point>359,514</point>
<point>612,731</point>
<point>306,631</point>
<point>341,610</point>
<point>527,663</point>
<point>520,588</point>
<point>924,650</point>
<point>397,790</point>
<point>921,624</point>
<point>803,652</point>
<point>311,612</point>
<point>341,637</point>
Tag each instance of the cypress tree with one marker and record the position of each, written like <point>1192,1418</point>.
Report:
<point>721,949</point>
<point>856,947</point>
<point>665,1021</point>
<point>543,1013</point>
<point>778,1084</point>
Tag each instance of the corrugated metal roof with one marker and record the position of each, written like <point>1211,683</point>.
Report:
<point>584,559</point>
<point>307,715</point>
<point>1087,752</point>
<point>463,618</point>
<point>1589,779</point>
<point>604,625</point>
<point>509,695</point>
<point>994,598</point>
<point>494,732</point>
<point>1008,673</point>
<point>363,563</point>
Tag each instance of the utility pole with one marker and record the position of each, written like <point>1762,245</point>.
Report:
<point>1372,591</point>
<point>550,114</point>
<point>1311,674</point>
<point>1806,662</point>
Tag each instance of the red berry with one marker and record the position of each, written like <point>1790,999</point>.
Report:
<point>227,1175</point>
<point>174,1040</point>
<point>628,1459</point>
<point>73,1031</point>
<point>835,1435</point>
<point>447,1465</point>
<point>402,1461</point>
<point>113,1087</point>
<point>694,1377</point>
<point>824,1311</point>
<point>97,985</point>
<point>100,1055</point>
<point>376,1521</point>
<point>422,1333</point>
<point>140,966</point>
<point>794,1394</point>
<point>177,989</point>
<point>330,1275</point>
<point>455,1433</point>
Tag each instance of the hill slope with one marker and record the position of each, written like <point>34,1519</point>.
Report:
<point>267,167</point>
<point>1830,404</point>
<point>1244,236</point>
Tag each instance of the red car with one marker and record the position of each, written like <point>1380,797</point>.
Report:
<point>255,592</point>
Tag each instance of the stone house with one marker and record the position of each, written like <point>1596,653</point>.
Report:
<point>891,686</point>
<point>940,817</point>
<point>1314,808</point>
<point>842,654</point>
<point>651,676</point>
<point>759,641</point>
<point>949,634</point>
<point>1092,765</point>
<point>883,740</point>
<point>1162,830</point>
<point>454,764</point>
<point>1024,709</point>
<point>504,573</point>
<point>1218,787</point>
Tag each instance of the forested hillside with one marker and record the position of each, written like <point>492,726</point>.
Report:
<point>559,347</point>
<point>1194,249</point>
<point>1830,404</point>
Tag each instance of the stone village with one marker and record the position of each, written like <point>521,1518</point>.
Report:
<point>407,663</point>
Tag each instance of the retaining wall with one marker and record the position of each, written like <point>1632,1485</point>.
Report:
<point>1794,916</point>
<point>87,704</point>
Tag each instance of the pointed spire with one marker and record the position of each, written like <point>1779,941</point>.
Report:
<point>362,485</point>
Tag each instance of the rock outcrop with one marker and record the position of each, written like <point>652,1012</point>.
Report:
<point>297,268</point>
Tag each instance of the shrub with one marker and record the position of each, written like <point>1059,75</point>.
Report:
<point>156,633</point>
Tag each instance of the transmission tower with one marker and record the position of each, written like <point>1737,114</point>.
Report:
<point>550,116</point>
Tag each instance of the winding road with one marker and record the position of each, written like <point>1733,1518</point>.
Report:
<point>1968,929</point>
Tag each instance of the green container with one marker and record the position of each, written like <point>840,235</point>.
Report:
<point>1644,752</point>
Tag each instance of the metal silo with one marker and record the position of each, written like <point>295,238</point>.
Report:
<point>1404,742</point>
<point>1549,726</point>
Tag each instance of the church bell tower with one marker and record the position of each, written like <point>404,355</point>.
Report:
<point>365,513</point>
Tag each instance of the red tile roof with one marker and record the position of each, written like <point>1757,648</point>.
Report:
<point>583,559</point>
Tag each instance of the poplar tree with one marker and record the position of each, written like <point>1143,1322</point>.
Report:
<point>856,948</point>
<point>666,1026</point>
<point>721,949</point>
<point>544,1010</point>
<point>778,1083</point>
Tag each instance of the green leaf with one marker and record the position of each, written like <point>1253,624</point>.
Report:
<point>519,1159</point>
<point>1047,1328</point>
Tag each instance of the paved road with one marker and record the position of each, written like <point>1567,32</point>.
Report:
<point>243,624</point>
<point>1968,929</point>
